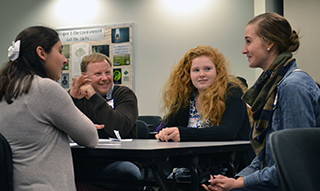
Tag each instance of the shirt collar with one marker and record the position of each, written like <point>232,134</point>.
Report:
<point>109,94</point>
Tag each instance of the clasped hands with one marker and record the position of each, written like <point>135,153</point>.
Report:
<point>169,133</point>
<point>80,88</point>
<point>222,183</point>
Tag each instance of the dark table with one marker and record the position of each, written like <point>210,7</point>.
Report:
<point>157,155</point>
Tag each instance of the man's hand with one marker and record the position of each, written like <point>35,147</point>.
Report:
<point>87,90</point>
<point>75,90</point>
<point>170,133</point>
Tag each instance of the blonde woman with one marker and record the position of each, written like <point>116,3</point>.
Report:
<point>283,97</point>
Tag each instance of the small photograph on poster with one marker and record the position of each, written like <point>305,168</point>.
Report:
<point>126,75</point>
<point>104,49</point>
<point>119,35</point>
<point>65,80</point>
<point>66,50</point>
<point>117,76</point>
<point>78,52</point>
<point>121,59</point>
<point>66,66</point>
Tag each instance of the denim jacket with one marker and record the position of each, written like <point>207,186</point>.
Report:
<point>296,106</point>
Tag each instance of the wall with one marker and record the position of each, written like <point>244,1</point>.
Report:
<point>304,18</point>
<point>164,30</point>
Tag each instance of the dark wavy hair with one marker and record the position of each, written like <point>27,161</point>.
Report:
<point>17,75</point>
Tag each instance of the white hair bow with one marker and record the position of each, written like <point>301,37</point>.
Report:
<point>13,51</point>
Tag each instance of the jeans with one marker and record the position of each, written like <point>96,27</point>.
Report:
<point>121,170</point>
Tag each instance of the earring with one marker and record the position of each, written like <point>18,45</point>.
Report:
<point>268,49</point>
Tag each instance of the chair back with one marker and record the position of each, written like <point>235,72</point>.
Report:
<point>6,168</point>
<point>297,157</point>
<point>142,130</point>
<point>153,121</point>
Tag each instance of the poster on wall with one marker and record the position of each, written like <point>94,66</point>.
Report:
<point>115,41</point>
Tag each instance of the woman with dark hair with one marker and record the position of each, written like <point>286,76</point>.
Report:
<point>283,97</point>
<point>37,114</point>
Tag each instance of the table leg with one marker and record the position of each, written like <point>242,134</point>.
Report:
<point>194,179</point>
<point>161,179</point>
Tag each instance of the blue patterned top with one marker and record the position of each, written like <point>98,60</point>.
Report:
<point>195,121</point>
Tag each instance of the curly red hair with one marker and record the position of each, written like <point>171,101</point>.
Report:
<point>178,88</point>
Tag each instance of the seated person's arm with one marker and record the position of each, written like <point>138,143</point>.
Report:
<point>122,117</point>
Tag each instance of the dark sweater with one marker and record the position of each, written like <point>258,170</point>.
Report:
<point>234,125</point>
<point>122,117</point>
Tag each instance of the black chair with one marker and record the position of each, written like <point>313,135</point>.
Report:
<point>297,157</point>
<point>6,168</point>
<point>142,130</point>
<point>153,121</point>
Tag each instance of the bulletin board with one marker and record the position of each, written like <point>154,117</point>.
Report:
<point>115,41</point>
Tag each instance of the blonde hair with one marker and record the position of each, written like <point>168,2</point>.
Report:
<point>178,88</point>
<point>94,57</point>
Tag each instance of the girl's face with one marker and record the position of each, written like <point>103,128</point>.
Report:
<point>202,72</point>
<point>54,61</point>
<point>255,48</point>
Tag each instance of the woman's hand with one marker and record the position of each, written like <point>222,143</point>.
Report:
<point>99,126</point>
<point>211,187</point>
<point>220,183</point>
<point>169,133</point>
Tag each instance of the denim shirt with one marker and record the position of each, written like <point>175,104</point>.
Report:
<point>296,106</point>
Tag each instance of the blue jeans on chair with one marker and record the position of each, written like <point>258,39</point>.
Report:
<point>121,170</point>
